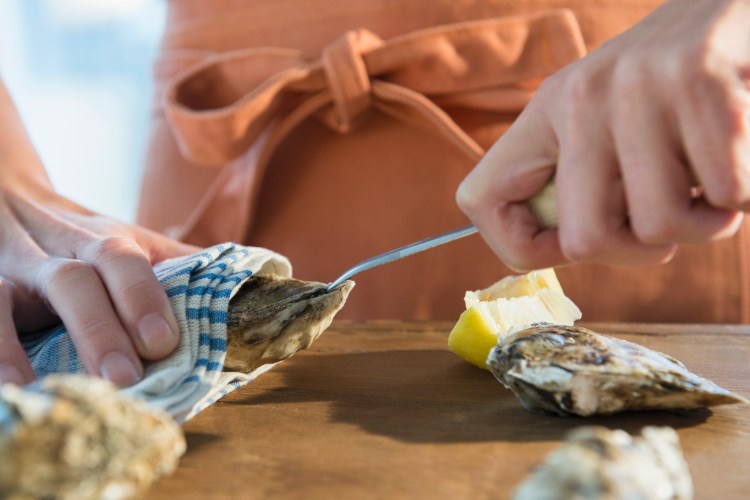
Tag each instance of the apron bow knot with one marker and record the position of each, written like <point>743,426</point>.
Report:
<point>221,106</point>
<point>348,78</point>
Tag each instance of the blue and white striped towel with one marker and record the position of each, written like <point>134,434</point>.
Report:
<point>199,288</point>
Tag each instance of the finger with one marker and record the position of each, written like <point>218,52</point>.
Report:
<point>141,304</point>
<point>591,203</point>
<point>494,194</point>
<point>58,233</point>
<point>138,297</point>
<point>20,255</point>
<point>75,291</point>
<point>658,183</point>
<point>159,247</point>
<point>713,121</point>
<point>14,366</point>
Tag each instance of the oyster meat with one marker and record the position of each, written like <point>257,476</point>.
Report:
<point>76,437</point>
<point>271,318</point>
<point>570,370</point>
<point>595,463</point>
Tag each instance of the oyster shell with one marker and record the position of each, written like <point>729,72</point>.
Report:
<point>271,318</point>
<point>75,437</point>
<point>596,463</point>
<point>569,370</point>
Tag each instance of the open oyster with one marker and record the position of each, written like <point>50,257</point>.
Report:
<point>75,437</point>
<point>271,318</point>
<point>596,463</point>
<point>567,370</point>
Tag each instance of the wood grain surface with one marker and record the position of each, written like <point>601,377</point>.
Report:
<point>383,410</point>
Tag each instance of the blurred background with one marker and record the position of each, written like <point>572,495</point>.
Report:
<point>80,74</point>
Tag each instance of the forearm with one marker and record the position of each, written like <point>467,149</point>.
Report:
<point>20,166</point>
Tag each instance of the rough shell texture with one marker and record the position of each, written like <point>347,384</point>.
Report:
<point>75,437</point>
<point>271,318</point>
<point>569,370</point>
<point>596,463</point>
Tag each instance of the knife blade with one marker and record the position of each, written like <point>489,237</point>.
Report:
<point>401,252</point>
<point>542,205</point>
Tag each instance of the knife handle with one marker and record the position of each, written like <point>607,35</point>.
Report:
<point>543,206</point>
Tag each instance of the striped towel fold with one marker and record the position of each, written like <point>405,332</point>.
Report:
<point>199,287</point>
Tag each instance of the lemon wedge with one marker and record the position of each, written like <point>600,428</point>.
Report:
<point>516,286</point>
<point>514,301</point>
<point>474,336</point>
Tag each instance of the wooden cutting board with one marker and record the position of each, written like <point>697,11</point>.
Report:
<point>384,410</point>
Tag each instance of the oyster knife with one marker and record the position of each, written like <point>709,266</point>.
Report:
<point>400,253</point>
<point>542,205</point>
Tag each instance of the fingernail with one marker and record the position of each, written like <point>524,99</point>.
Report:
<point>156,334</point>
<point>10,374</point>
<point>119,370</point>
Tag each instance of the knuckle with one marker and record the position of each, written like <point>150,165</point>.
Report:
<point>112,247</point>
<point>97,327</point>
<point>580,86</point>
<point>688,67</point>
<point>548,88</point>
<point>656,230</point>
<point>62,271</point>
<point>581,246</point>
<point>139,295</point>
<point>631,74</point>
<point>692,73</point>
<point>731,192</point>
<point>687,63</point>
<point>578,95</point>
<point>518,256</point>
<point>466,200</point>
<point>519,263</point>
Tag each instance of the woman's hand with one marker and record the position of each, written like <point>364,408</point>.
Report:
<point>630,132</point>
<point>59,261</point>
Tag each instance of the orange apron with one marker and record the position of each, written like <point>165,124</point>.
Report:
<point>334,130</point>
